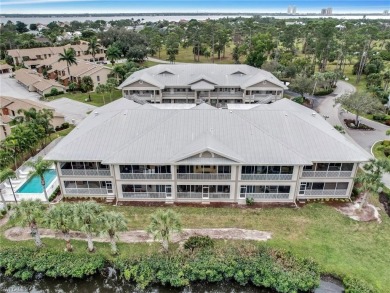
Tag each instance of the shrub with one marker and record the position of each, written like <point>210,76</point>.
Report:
<point>54,92</point>
<point>23,263</point>
<point>249,201</point>
<point>353,285</point>
<point>54,194</point>
<point>380,117</point>
<point>323,92</point>
<point>299,100</point>
<point>200,242</point>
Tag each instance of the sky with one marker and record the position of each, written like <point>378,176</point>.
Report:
<point>134,6</point>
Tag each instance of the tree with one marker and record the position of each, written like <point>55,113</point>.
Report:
<point>7,174</point>
<point>113,53</point>
<point>111,223</point>
<point>93,48</point>
<point>86,84</point>
<point>111,85</point>
<point>236,54</point>
<point>30,213</point>
<point>261,45</point>
<point>69,56</point>
<point>370,180</point>
<point>137,53</point>
<point>21,27</point>
<point>86,218</point>
<point>39,169</point>
<point>302,85</point>
<point>33,27</point>
<point>102,89</point>
<point>172,46</point>
<point>360,103</point>
<point>61,217</point>
<point>163,224</point>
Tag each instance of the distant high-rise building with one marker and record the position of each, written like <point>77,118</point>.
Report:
<point>329,11</point>
<point>386,12</point>
<point>289,9</point>
<point>294,10</point>
<point>323,11</point>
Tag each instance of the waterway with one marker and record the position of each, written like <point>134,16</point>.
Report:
<point>155,18</point>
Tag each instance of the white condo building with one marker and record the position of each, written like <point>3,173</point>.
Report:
<point>279,152</point>
<point>194,83</point>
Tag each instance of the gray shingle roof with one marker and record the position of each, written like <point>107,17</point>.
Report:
<point>226,75</point>
<point>280,133</point>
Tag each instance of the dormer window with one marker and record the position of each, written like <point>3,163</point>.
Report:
<point>238,73</point>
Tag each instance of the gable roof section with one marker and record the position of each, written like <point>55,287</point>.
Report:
<point>263,76</point>
<point>144,77</point>
<point>202,85</point>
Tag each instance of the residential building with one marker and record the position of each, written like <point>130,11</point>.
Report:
<point>33,57</point>
<point>10,107</point>
<point>35,82</point>
<point>5,68</point>
<point>279,152</point>
<point>193,83</point>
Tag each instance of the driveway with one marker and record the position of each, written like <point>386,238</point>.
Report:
<point>73,111</point>
<point>11,88</point>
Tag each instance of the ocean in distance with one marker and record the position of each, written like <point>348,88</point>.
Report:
<point>155,18</point>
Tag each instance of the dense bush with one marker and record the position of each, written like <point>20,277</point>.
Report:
<point>24,262</point>
<point>323,92</point>
<point>385,55</point>
<point>261,266</point>
<point>199,242</point>
<point>380,117</point>
<point>63,126</point>
<point>353,285</point>
<point>54,194</point>
<point>55,93</point>
<point>299,100</point>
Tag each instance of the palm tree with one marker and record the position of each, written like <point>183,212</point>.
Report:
<point>102,89</point>
<point>111,223</point>
<point>61,217</point>
<point>163,224</point>
<point>4,175</point>
<point>370,180</point>
<point>39,168</point>
<point>93,47</point>
<point>86,218</point>
<point>30,213</point>
<point>111,85</point>
<point>69,56</point>
<point>113,53</point>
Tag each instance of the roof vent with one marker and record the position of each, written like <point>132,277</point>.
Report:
<point>96,113</point>
<point>231,111</point>
<point>313,114</point>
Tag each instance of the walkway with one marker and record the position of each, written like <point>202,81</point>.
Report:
<point>20,234</point>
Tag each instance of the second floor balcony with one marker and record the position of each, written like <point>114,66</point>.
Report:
<point>328,170</point>
<point>204,172</point>
<point>143,172</point>
<point>85,169</point>
<point>267,173</point>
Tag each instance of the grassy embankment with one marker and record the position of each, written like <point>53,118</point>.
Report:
<point>340,245</point>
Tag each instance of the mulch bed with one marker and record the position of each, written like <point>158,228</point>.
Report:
<point>385,200</point>
<point>350,123</point>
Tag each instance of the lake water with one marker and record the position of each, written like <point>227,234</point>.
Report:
<point>154,18</point>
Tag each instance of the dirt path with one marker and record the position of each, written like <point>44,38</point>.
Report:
<point>20,234</point>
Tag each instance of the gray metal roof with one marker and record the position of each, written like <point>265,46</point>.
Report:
<point>225,75</point>
<point>280,133</point>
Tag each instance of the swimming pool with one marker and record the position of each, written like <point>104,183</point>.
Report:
<point>33,184</point>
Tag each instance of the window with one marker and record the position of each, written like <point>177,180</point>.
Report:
<point>264,189</point>
<point>224,169</point>
<point>323,186</point>
<point>98,78</point>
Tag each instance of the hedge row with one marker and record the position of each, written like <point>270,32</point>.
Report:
<point>263,267</point>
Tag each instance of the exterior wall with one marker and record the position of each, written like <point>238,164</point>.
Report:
<point>47,91</point>
<point>235,183</point>
<point>103,76</point>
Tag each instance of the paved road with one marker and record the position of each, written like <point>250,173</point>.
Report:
<point>11,88</point>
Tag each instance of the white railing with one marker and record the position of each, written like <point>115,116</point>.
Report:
<point>260,98</point>
<point>219,195</point>
<point>266,176</point>
<point>206,176</point>
<point>146,175</point>
<point>86,191</point>
<point>189,195</point>
<point>318,174</point>
<point>222,95</point>
<point>190,95</point>
<point>327,192</point>
<point>85,172</point>
<point>144,195</point>
<point>265,195</point>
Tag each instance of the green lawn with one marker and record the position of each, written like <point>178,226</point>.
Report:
<point>377,150</point>
<point>97,99</point>
<point>340,245</point>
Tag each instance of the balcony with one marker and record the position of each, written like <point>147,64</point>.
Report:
<point>266,176</point>
<point>265,195</point>
<point>85,172</point>
<point>144,176</point>
<point>260,98</point>
<point>326,192</point>
<point>204,176</point>
<point>324,174</point>
<point>144,195</point>
<point>86,191</point>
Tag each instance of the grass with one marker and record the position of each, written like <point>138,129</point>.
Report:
<point>340,245</point>
<point>97,99</point>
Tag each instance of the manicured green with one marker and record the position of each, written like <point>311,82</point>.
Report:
<point>97,99</point>
<point>339,245</point>
<point>379,148</point>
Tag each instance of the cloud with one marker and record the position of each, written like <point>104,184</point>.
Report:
<point>20,2</point>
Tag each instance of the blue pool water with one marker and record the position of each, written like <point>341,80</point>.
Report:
<point>33,184</point>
